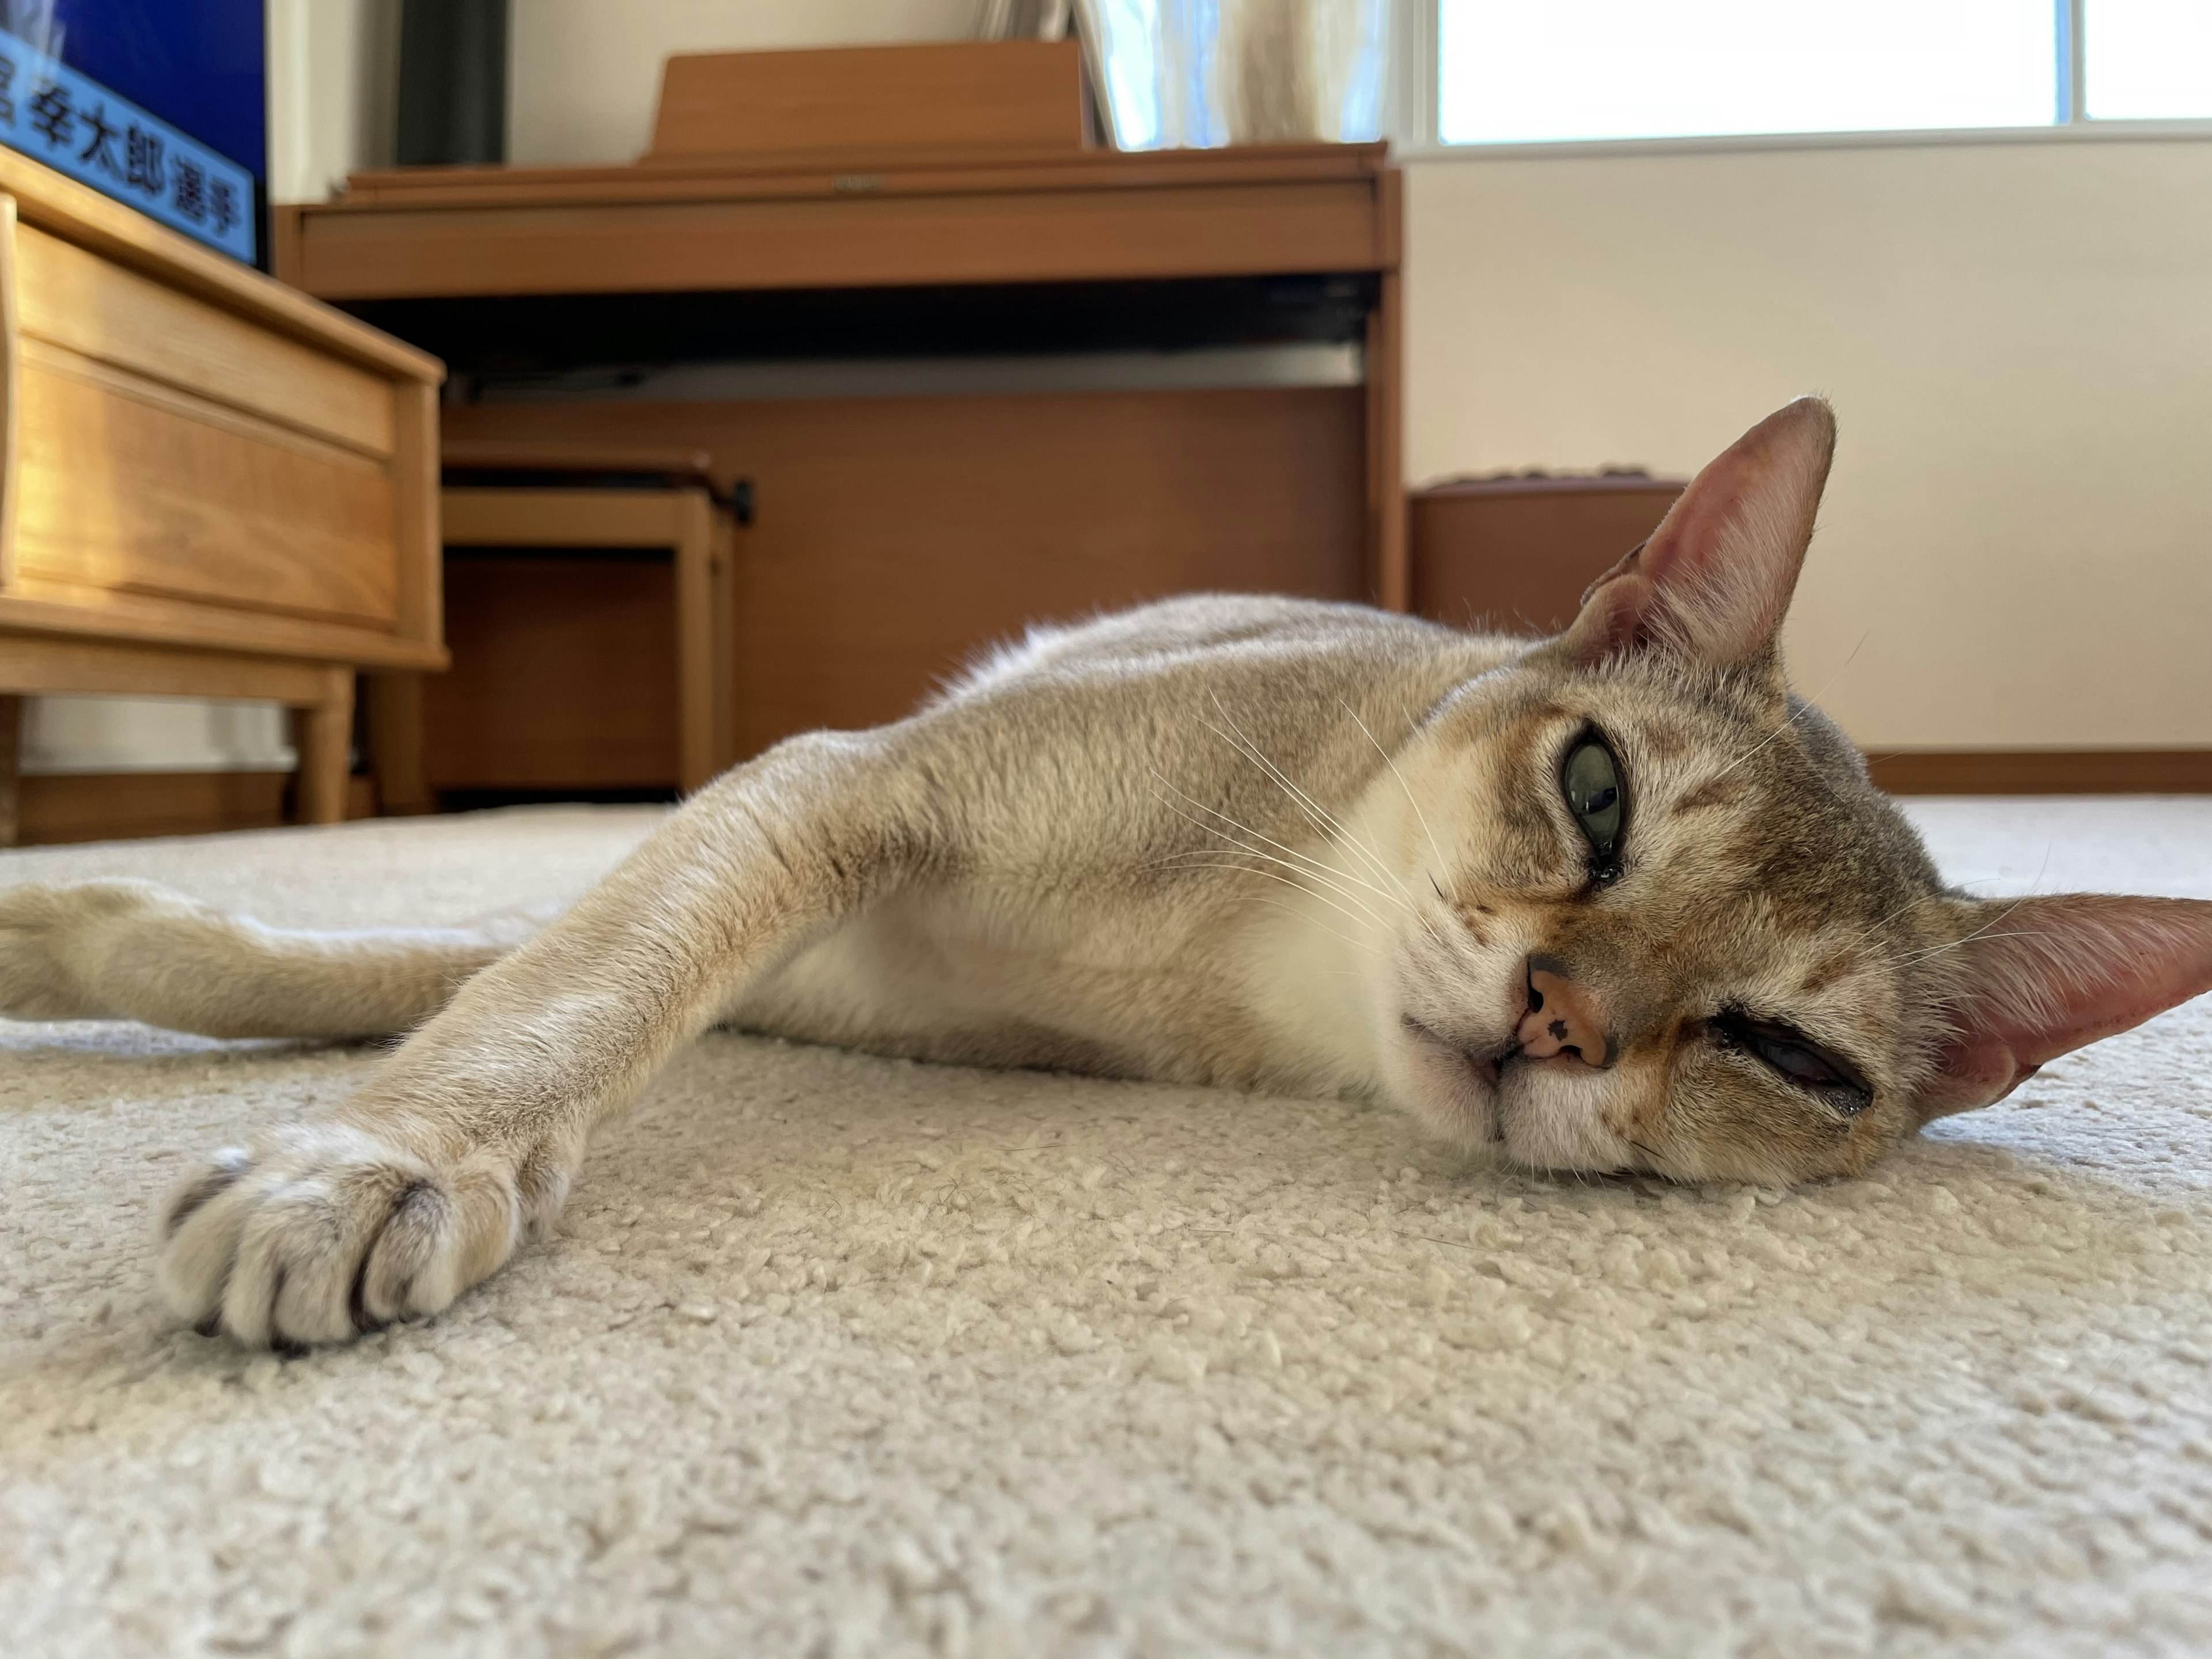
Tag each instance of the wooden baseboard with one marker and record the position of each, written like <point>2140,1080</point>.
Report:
<point>123,805</point>
<point>2044,771</point>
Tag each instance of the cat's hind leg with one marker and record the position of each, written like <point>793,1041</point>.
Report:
<point>394,1202</point>
<point>130,950</point>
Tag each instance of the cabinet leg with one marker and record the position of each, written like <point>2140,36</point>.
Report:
<point>1389,581</point>
<point>11,771</point>
<point>695,644</point>
<point>395,744</point>
<point>723,599</point>
<point>326,743</point>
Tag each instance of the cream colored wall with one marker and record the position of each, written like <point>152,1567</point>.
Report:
<point>586,74</point>
<point>333,91</point>
<point>2018,339</point>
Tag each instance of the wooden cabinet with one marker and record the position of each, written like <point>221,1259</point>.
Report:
<point>1516,553</point>
<point>899,533</point>
<point>209,485</point>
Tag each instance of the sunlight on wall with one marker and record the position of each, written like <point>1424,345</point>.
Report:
<point>2018,344</point>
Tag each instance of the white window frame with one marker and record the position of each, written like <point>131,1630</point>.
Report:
<point>1411,118</point>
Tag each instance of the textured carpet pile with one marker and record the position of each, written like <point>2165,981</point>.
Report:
<point>843,1355</point>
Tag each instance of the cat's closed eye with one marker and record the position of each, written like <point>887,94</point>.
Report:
<point>1795,1058</point>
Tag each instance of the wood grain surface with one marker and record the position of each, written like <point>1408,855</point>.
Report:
<point>986,94</point>
<point>563,675</point>
<point>210,485</point>
<point>895,538</point>
<point>2043,771</point>
<point>853,240</point>
<point>127,484</point>
<point>73,298</point>
<point>1517,559</point>
<point>80,806</point>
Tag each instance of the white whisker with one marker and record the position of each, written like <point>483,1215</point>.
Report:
<point>1199,860</point>
<point>1916,899</point>
<point>1258,755</point>
<point>1322,877</point>
<point>1805,706</point>
<point>1996,920</point>
<point>1326,870</point>
<point>1246,870</point>
<point>1442,862</point>
<point>1976,937</point>
<point>1315,813</point>
<point>1319,815</point>
<point>1293,909</point>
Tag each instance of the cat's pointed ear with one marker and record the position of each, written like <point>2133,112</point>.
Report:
<point>2040,977</point>
<point>1714,579</point>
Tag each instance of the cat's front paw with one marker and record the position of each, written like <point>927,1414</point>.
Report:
<point>53,940</point>
<point>331,1230</point>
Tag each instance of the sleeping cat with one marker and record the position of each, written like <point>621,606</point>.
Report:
<point>1612,900</point>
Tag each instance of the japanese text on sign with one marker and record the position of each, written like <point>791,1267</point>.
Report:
<point>75,125</point>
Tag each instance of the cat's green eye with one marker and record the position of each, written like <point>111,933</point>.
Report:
<point>1591,779</point>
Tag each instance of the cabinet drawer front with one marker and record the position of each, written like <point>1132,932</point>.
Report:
<point>73,298</point>
<point>123,484</point>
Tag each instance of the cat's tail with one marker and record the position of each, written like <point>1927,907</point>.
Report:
<point>130,950</point>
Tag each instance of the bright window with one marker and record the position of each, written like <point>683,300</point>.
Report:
<point>1543,71</point>
<point>2149,59</point>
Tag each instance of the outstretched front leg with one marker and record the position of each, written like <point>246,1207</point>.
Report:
<point>130,950</point>
<point>395,1202</point>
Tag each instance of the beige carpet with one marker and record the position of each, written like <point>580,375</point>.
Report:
<point>840,1356</point>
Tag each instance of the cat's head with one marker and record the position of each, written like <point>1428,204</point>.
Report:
<point>1665,922</point>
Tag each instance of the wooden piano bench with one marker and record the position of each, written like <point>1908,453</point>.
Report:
<point>589,604</point>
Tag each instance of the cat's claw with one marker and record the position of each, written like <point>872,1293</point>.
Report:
<point>328,1230</point>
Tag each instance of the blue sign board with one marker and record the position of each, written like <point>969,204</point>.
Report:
<point>57,115</point>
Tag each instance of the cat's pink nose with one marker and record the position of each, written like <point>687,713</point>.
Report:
<point>1563,1018</point>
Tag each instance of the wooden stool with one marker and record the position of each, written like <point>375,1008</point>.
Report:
<point>495,722</point>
